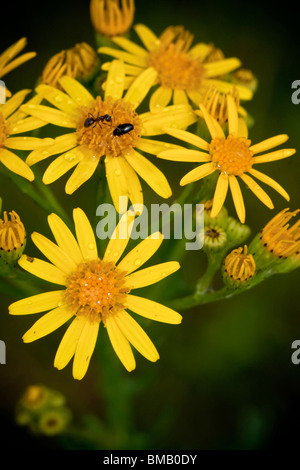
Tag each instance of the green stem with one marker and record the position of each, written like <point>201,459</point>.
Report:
<point>116,390</point>
<point>42,196</point>
<point>195,299</point>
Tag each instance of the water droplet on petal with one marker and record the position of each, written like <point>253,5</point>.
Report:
<point>137,262</point>
<point>91,246</point>
<point>58,99</point>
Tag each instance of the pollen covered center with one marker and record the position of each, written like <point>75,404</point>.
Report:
<point>176,69</point>
<point>96,290</point>
<point>97,127</point>
<point>4,130</point>
<point>232,155</point>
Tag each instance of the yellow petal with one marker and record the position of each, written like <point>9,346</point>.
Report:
<point>119,238</point>
<point>17,62</point>
<point>42,269</point>
<point>117,183</point>
<point>242,128</point>
<point>85,348</point>
<point>220,67</point>
<point>214,127</point>
<point>160,98</point>
<point>185,155</point>
<point>152,310</point>
<point>232,116</point>
<point>85,235</point>
<point>180,97</point>
<point>37,303</point>
<point>26,143</point>
<point>125,56</point>
<point>200,50</point>
<point>83,172</point>
<point>154,147</point>
<point>268,144</point>
<point>13,103</point>
<point>257,190</point>
<point>50,115</point>
<point>151,275</point>
<point>237,198</point>
<point>273,156</point>
<point>197,173</point>
<point>26,125</point>
<point>150,173</point>
<point>15,164</point>
<point>59,99</point>
<point>188,137</point>
<point>48,323</point>
<point>64,238</point>
<point>148,38</point>
<point>269,181</point>
<point>68,344</point>
<point>224,87</point>
<point>62,165</point>
<point>130,46</point>
<point>140,87</point>
<point>114,85</point>
<point>60,144</point>
<point>136,336</point>
<point>220,195</point>
<point>175,116</point>
<point>141,253</point>
<point>54,253</point>
<point>80,95</point>
<point>120,344</point>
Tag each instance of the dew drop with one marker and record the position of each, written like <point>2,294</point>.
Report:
<point>137,262</point>
<point>117,172</point>
<point>116,254</point>
<point>69,157</point>
<point>58,99</point>
<point>91,246</point>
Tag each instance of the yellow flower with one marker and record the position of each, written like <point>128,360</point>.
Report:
<point>181,70</point>
<point>215,104</point>
<point>281,239</point>
<point>232,157</point>
<point>112,17</point>
<point>12,122</point>
<point>78,62</point>
<point>6,62</point>
<point>95,291</point>
<point>94,123</point>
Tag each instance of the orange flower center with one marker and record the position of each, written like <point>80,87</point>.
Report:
<point>4,130</point>
<point>232,155</point>
<point>97,289</point>
<point>97,131</point>
<point>176,69</point>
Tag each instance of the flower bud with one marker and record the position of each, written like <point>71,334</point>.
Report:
<point>239,267</point>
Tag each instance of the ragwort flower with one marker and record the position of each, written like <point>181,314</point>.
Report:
<point>232,157</point>
<point>13,122</point>
<point>95,291</point>
<point>109,128</point>
<point>182,72</point>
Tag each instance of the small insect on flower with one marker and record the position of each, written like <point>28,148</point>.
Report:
<point>92,121</point>
<point>123,129</point>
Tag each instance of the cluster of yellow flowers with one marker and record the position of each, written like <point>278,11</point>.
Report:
<point>182,85</point>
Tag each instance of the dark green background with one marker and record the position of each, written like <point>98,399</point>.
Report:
<point>225,378</point>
